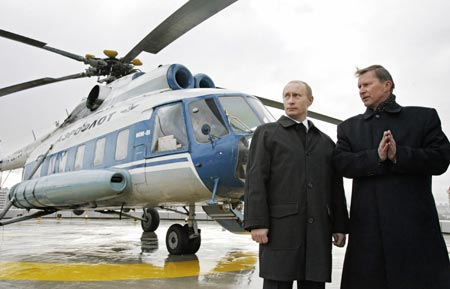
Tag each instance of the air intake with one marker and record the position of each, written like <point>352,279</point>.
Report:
<point>179,77</point>
<point>203,81</point>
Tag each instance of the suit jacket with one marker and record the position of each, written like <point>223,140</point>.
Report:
<point>394,227</point>
<point>292,189</point>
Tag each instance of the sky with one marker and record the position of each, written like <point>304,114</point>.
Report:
<point>254,46</point>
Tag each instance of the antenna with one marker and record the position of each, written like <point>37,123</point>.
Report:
<point>33,135</point>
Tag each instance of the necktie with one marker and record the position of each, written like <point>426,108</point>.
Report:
<point>301,129</point>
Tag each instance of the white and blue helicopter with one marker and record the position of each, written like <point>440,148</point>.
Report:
<point>164,139</point>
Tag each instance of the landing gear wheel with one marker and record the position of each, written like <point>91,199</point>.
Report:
<point>151,222</point>
<point>177,239</point>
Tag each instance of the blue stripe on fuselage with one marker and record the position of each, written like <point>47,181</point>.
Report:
<point>157,163</point>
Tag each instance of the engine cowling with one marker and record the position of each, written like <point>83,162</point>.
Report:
<point>202,80</point>
<point>172,76</point>
<point>96,97</point>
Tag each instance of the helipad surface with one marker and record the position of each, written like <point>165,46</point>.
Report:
<point>93,253</point>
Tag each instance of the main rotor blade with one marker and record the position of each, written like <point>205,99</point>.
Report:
<point>312,114</point>
<point>40,44</point>
<point>37,82</point>
<point>184,19</point>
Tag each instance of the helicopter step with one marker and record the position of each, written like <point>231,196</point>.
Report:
<point>229,218</point>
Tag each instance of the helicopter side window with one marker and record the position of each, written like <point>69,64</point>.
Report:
<point>205,111</point>
<point>169,132</point>
<point>62,162</point>
<point>37,174</point>
<point>51,165</point>
<point>99,151</point>
<point>79,157</point>
<point>122,145</point>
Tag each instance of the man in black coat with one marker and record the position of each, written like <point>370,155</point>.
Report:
<point>391,152</point>
<point>294,200</point>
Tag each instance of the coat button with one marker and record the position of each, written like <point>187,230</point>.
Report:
<point>377,116</point>
<point>310,220</point>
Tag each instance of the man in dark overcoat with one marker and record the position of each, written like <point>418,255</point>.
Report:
<point>391,152</point>
<point>294,200</point>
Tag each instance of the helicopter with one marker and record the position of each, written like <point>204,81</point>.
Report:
<point>159,140</point>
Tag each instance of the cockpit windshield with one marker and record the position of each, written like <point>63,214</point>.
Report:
<point>245,117</point>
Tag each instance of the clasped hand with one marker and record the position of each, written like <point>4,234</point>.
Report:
<point>387,148</point>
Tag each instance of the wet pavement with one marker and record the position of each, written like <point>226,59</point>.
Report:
<point>93,253</point>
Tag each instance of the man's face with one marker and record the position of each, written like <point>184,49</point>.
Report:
<point>372,91</point>
<point>296,101</point>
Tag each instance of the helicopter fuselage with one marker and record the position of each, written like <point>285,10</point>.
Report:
<point>168,146</point>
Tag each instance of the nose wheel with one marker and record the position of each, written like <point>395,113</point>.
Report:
<point>150,220</point>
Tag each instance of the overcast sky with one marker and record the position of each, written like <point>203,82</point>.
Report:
<point>254,46</point>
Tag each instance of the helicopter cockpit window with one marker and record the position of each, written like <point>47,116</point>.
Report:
<point>169,132</point>
<point>261,110</point>
<point>203,112</point>
<point>240,115</point>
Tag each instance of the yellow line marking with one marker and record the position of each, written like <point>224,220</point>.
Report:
<point>103,272</point>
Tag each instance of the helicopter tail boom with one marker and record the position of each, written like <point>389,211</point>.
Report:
<point>18,159</point>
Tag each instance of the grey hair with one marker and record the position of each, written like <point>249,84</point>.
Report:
<point>380,72</point>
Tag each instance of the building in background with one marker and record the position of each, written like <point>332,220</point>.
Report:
<point>2,197</point>
<point>444,209</point>
<point>448,193</point>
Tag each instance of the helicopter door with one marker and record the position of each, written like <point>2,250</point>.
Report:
<point>169,172</point>
<point>169,130</point>
<point>210,144</point>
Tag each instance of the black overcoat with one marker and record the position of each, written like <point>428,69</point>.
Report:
<point>296,193</point>
<point>395,236</point>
